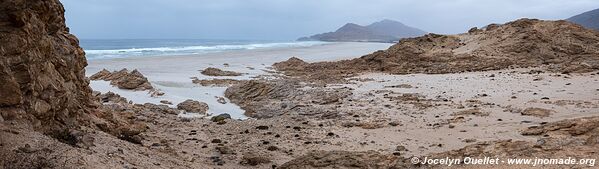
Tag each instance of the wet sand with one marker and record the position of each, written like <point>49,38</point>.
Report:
<point>172,74</point>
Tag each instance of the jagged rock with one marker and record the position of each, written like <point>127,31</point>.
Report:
<point>42,66</point>
<point>264,99</point>
<point>193,106</point>
<point>124,79</point>
<point>111,97</point>
<point>217,72</point>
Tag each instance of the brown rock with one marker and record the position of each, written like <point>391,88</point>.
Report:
<point>217,72</point>
<point>42,67</point>
<point>166,102</point>
<point>124,79</point>
<point>193,106</point>
<point>10,92</point>
<point>253,159</point>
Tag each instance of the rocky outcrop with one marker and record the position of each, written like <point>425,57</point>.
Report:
<point>264,99</point>
<point>124,79</point>
<point>41,66</point>
<point>192,106</point>
<point>558,46</point>
<point>218,72</point>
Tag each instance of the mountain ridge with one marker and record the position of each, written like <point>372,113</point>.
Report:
<point>589,19</point>
<point>382,31</point>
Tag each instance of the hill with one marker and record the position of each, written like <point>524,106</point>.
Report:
<point>382,31</point>
<point>588,19</point>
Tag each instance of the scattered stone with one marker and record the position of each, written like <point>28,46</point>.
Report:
<point>216,141</point>
<point>220,117</point>
<point>262,127</point>
<point>166,102</point>
<point>224,150</point>
<point>394,123</point>
<point>470,140</point>
<point>272,148</point>
<point>401,148</point>
<point>221,100</point>
<point>253,159</point>
<point>473,112</point>
<point>193,106</point>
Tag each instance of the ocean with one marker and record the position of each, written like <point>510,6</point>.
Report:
<point>123,48</point>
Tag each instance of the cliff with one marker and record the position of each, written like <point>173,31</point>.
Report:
<point>42,66</point>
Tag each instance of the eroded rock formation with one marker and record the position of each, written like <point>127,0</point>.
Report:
<point>41,66</point>
<point>124,79</point>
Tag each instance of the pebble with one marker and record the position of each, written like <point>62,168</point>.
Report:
<point>262,127</point>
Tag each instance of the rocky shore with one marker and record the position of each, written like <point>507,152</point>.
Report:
<point>525,89</point>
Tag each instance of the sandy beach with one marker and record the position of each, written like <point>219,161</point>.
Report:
<point>172,74</point>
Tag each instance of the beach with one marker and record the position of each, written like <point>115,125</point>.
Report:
<point>172,74</point>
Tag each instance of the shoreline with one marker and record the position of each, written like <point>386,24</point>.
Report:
<point>176,81</point>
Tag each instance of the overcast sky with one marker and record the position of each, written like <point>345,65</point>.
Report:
<point>290,19</point>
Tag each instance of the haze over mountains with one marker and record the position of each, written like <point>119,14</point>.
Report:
<point>588,19</point>
<point>382,31</point>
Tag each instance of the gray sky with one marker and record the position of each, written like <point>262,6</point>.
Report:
<point>290,19</point>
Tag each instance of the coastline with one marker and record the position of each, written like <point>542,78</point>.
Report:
<point>173,74</point>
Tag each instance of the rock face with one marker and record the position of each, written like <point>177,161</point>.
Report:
<point>124,79</point>
<point>588,19</point>
<point>382,31</point>
<point>217,72</point>
<point>560,46</point>
<point>41,66</point>
<point>193,106</point>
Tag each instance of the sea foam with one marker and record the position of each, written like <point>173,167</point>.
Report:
<point>188,50</point>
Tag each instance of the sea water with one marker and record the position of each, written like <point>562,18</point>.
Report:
<point>122,48</point>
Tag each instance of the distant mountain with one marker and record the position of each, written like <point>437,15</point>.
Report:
<point>382,31</point>
<point>588,19</point>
